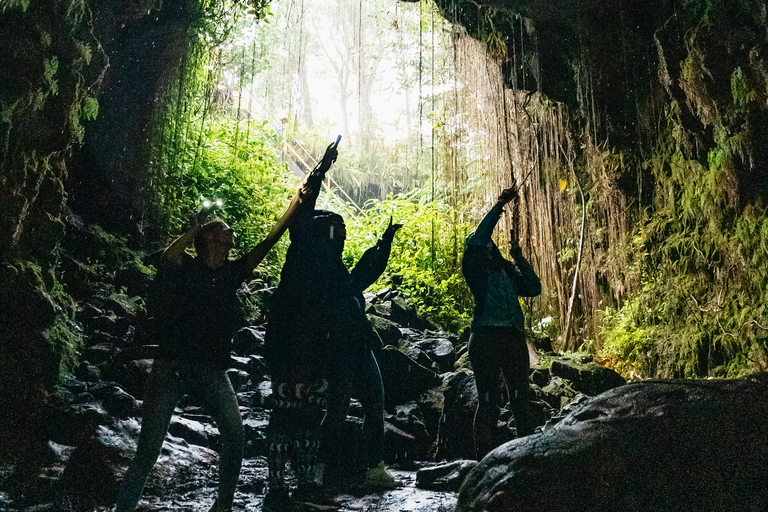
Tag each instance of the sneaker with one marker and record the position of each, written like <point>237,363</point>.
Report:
<point>277,499</point>
<point>378,477</point>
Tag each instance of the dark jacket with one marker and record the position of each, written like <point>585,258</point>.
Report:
<point>194,310</point>
<point>318,307</point>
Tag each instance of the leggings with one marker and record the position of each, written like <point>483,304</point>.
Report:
<point>494,352</point>
<point>167,382</point>
<point>355,373</point>
<point>293,432</point>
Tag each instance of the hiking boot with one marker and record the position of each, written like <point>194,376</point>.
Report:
<point>379,478</point>
<point>277,499</point>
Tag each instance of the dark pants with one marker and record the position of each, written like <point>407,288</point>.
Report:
<point>167,383</point>
<point>494,352</point>
<point>355,374</point>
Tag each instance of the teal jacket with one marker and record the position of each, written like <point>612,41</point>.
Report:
<point>495,282</point>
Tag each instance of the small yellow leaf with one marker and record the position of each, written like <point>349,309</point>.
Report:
<point>563,184</point>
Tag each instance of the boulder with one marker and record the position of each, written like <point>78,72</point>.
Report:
<point>421,357</point>
<point>240,379</point>
<point>249,340</point>
<point>404,379</point>
<point>645,446</point>
<point>557,393</point>
<point>192,431</point>
<point>92,475</point>
<point>454,437</point>
<point>120,404</point>
<point>444,477</point>
<point>386,330</point>
<point>255,431</point>
<point>132,374</point>
<point>405,435</point>
<point>441,351</point>
<point>587,377</point>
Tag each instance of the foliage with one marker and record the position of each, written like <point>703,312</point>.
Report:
<point>425,261</point>
<point>703,266</point>
<point>35,299</point>
<point>254,189</point>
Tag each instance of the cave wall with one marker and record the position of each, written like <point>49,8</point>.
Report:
<point>144,42</point>
<point>614,88</point>
<point>79,84</point>
<point>656,110</point>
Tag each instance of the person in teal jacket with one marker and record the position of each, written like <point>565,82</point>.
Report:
<point>497,344</point>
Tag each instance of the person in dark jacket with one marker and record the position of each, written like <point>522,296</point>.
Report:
<point>317,320</point>
<point>497,344</point>
<point>354,371</point>
<point>195,311</point>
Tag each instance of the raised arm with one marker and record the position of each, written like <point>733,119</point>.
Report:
<point>374,261</point>
<point>484,231</point>
<point>174,253</point>
<point>305,199</point>
<point>528,283</point>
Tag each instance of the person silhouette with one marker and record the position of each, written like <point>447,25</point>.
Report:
<point>497,345</point>
<point>194,313</point>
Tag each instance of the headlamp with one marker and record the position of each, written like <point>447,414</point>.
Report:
<point>218,203</point>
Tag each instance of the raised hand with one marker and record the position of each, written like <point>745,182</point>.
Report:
<point>389,233</point>
<point>507,195</point>
<point>330,156</point>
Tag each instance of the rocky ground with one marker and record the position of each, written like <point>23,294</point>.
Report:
<point>430,402</point>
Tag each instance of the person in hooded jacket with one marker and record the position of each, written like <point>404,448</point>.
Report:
<point>316,320</point>
<point>497,344</point>
<point>353,370</point>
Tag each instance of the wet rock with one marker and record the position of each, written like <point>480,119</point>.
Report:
<point>239,363</point>
<point>387,331</point>
<point>421,357</point>
<point>132,374</point>
<point>240,379</point>
<point>255,430</point>
<point>92,476</point>
<point>648,446</point>
<point>454,439</point>
<point>95,469</point>
<point>120,404</point>
<point>249,340</point>
<point>541,344</point>
<point>558,392</point>
<point>99,352</point>
<point>441,351</point>
<point>257,368</point>
<point>192,431</point>
<point>404,379</point>
<point>87,372</point>
<point>587,377</point>
<point>444,477</point>
<point>404,312</point>
<point>540,376</point>
<point>406,436</point>
<point>76,424</point>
